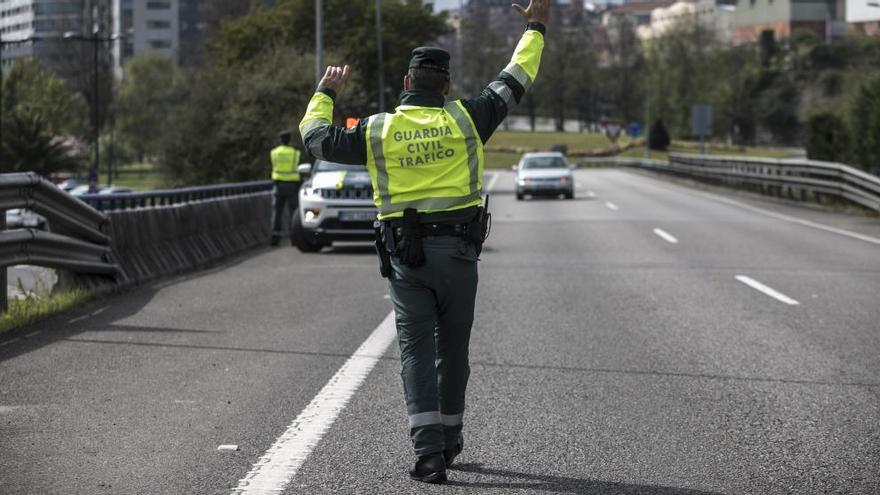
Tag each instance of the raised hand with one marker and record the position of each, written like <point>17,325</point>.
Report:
<point>537,11</point>
<point>335,77</point>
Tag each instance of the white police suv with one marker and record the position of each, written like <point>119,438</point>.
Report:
<point>335,204</point>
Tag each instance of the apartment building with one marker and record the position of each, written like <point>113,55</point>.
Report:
<point>783,17</point>
<point>146,26</point>
<point>46,22</point>
<point>710,14</point>
<point>864,16</point>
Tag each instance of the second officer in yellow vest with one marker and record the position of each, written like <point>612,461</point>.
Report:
<point>285,159</point>
<point>426,163</point>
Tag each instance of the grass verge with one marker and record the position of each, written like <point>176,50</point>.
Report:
<point>506,147</point>
<point>33,308</point>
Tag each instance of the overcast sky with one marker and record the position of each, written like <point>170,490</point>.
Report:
<point>445,4</point>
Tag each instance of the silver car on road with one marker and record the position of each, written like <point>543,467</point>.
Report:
<point>544,174</point>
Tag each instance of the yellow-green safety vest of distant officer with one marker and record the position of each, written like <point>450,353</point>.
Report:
<point>284,164</point>
<point>428,158</point>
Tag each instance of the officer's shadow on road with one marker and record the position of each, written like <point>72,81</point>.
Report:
<point>507,479</point>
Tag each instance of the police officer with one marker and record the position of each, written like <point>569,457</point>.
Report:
<point>426,164</point>
<point>285,159</point>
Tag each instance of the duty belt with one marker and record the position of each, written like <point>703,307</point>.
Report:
<point>436,229</point>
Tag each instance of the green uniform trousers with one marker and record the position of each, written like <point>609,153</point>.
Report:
<point>283,192</point>
<point>434,309</point>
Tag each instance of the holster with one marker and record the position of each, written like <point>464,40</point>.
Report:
<point>479,227</point>
<point>409,248</point>
<point>383,248</point>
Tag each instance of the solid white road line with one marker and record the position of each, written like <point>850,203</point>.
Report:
<point>228,447</point>
<point>800,221</point>
<point>666,236</point>
<point>492,181</point>
<point>100,310</point>
<point>766,290</point>
<point>785,218</point>
<point>10,341</point>
<point>272,472</point>
<point>611,206</point>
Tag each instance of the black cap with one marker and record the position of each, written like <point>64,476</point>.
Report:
<point>285,135</point>
<point>430,57</point>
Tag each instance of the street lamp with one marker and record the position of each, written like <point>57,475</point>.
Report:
<point>95,40</point>
<point>319,40</point>
<point>380,56</point>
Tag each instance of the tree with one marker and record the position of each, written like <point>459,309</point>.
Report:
<point>30,88</point>
<point>658,137</point>
<point>227,116</point>
<point>40,116</point>
<point>567,75</point>
<point>29,146</point>
<point>622,77</point>
<point>350,37</point>
<point>147,93</point>
<point>684,73</point>
<point>827,137</point>
<point>864,124</point>
<point>230,121</point>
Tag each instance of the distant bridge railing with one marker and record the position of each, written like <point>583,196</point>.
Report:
<point>168,197</point>
<point>794,178</point>
<point>78,241</point>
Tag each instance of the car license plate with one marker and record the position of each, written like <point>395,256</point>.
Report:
<point>357,216</point>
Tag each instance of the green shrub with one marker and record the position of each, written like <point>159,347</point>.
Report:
<point>864,125</point>
<point>827,137</point>
<point>658,139</point>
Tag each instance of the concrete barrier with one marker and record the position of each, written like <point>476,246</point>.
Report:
<point>159,241</point>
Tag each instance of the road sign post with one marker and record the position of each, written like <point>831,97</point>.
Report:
<point>701,123</point>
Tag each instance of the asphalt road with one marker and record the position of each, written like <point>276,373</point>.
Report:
<point>606,359</point>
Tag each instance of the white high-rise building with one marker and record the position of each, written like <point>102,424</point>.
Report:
<point>48,22</point>
<point>147,26</point>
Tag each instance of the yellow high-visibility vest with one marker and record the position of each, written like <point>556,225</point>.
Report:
<point>427,158</point>
<point>284,162</point>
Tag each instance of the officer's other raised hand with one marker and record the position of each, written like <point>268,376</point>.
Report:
<point>334,78</point>
<point>537,11</point>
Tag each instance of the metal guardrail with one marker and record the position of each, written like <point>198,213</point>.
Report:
<point>795,178</point>
<point>28,190</point>
<point>167,197</point>
<point>78,242</point>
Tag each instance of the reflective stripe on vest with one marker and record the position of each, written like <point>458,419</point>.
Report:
<point>284,162</point>
<point>426,158</point>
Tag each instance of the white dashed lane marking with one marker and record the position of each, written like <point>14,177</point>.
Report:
<point>666,236</point>
<point>611,206</point>
<point>766,290</point>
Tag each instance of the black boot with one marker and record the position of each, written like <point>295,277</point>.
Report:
<point>451,453</point>
<point>429,468</point>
